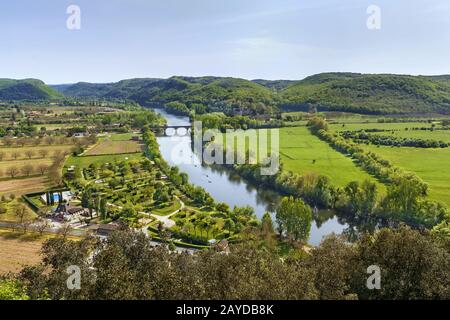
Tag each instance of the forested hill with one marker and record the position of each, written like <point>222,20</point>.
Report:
<point>367,93</point>
<point>364,93</point>
<point>27,89</point>
<point>212,93</point>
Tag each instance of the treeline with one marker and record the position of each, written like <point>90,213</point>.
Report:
<point>222,122</point>
<point>134,119</point>
<point>47,140</point>
<point>178,108</point>
<point>385,140</point>
<point>405,200</point>
<point>412,265</point>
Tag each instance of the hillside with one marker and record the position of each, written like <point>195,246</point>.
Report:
<point>353,92</point>
<point>367,93</point>
<point>214,93</point>
<point>276,85</point>
<point>27,89</point>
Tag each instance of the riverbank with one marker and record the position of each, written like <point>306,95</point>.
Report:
<point>230,188</point>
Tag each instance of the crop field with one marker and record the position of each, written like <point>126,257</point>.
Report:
<point>22,151</point>
<point>20,186</point>
<point>429,164</point>
<point>114,147</point>
<point>21,168</point>
<point>301,152</point>
<point>123,136</point>
<point>17,250</point>
<point>4,165</point>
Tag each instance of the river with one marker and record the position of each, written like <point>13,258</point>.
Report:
<point>228,187</point>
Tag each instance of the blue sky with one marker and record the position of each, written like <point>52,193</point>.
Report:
<point>271,39</point>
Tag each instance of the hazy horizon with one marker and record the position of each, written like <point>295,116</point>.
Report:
<point>264,39</point>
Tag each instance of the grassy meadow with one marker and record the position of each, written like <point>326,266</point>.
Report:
<point>375,125</point>
<point>114,147</point>
<point>301,152</point>
<point>429,164</point>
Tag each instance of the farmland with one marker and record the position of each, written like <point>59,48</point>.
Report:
<point>426,163</point>
<point>114,147</point>
<point>26,163</point>
<point>24,185</point>
<point>442,135</point>
<point>26,169</point>
<point>301,152</point>
<point>17,250</point>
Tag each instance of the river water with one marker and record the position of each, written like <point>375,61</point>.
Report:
<point>228,187</point>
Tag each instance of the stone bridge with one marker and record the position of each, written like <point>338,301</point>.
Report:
<point>170,131</point>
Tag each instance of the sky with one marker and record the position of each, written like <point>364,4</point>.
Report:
<point>251,39</point>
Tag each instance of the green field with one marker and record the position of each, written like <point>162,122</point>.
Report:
<point>429,164</point>
<point>374,125</point>
<point>85,161</point>
<point>123,136</point>
<point>441,135</point>
<point>299,148</point>
<point>114,147</point>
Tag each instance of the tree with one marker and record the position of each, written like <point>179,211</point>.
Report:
<point>11,289</point>
<point>25,225</point>
<point>20,211</point>
<point>15,154</point>
<point>43,153</point>
<point>42,169</point>
<point>333,262</point>
<point>267,231</point>
<point>65,230</point>
<point>103,209</point>
<point>413,265</point>
<point>8,141</point>
<point>161,194</point>
<point>12,171</point>
<point>41,226</point>
<point>362,199</point>
<point>50,140</point>
<point>87,200</point>
<point>57,154</point>
<point>294,218</point>
<point>403,197</point>
<point>27,169</point>
<point>30,153</point>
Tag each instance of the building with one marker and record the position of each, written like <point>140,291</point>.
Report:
<point>104,230</point>
<point>66,212</point>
